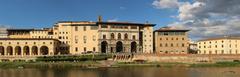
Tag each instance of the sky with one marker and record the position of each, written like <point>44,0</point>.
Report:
<point>204,18</point>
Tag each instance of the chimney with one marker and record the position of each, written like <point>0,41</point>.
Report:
<point>99,18</point>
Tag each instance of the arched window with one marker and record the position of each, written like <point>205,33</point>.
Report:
<point>119,36</point>
<point>112,36</point>
<point>126,36</point>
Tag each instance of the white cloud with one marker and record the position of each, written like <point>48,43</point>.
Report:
<point>207,18</point>
<point>112,20</point>
<point>162,4</point>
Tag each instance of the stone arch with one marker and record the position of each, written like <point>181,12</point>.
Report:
<point>26,50</point>
<point>34,50</point>
<point>10,50</point>
<point>18,50</point>
<point>133,47</point>
<point>119,47</point>
<point>104,46</point>
<point>2,50</point>
<point>44,50</point>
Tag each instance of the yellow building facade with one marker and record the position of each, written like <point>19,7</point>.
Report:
<point>171,41</point>
<point>222,45</point>
<point>78,37</point>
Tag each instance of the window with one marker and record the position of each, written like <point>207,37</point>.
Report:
<point>182,45</point>
<point>60,37</point>
<point>171,45</point>
<point>160,44</point>
<point>176,38</point>
<point>172,38</point>
<point>85,49</point>
<point>182,38</point>
<point>76,49</point>
<point>119,36</point>
<point>126,36</point>
<point>134,37</point>
<point>85,39</point>
<point>166,45</point>
<point>166,38</point>
<point>43,42</point>
<point>50,42</point>
<point>94,49</point>
<point>84,28</point>
<point>160,38</point>
<point>112,36</point>
<point>104,36</point>
<point>76,28</point>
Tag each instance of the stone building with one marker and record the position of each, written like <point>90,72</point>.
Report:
<point>171,41</point>
<point>220,45</point>
<point>77,37</point>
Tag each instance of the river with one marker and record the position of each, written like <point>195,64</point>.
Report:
<point>125,72</point>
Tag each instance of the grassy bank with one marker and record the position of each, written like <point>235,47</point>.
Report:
<point>217,64</point>
<point>57,65</point>
<point>158,64</point>
<point>149,64</point>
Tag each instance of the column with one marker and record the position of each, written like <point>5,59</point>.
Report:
<point>22,51</point>
<point>38,52</point>
<point>30,50</point>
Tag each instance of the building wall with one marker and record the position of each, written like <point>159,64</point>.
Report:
<point>129,34</point>
<point>147,39</point>
<point>219,46</point>
<point>40,34</point>
<point>22,43</point>
<point>171,43</point>
<point>77,37</point>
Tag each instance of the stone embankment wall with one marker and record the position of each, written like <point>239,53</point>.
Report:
<point>185,58</point>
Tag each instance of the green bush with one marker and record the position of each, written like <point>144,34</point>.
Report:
<point>74,58</point>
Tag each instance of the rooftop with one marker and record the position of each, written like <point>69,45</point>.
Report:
<point>220,38</point>
<point>27,39</point>
<point>126,23</point>
<point>170,29</point>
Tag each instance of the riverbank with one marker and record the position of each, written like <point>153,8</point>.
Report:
<point>98,64</point>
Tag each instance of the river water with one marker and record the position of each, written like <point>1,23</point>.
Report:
<point>125,72</point>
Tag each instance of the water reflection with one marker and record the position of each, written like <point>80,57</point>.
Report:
<point>124,72</point>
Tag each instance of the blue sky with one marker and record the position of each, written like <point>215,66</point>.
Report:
<point>44,13</point>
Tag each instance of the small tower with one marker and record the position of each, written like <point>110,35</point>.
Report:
<point>99,18</point>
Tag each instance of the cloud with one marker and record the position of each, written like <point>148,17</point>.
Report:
<point>112,20</point>
<point>162,4</point>
<point>122,8</point>
<point>208,18</point>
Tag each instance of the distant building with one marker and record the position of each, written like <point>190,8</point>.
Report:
<point>171,41</point>
<point>3,33</point>
<point>222,45</point>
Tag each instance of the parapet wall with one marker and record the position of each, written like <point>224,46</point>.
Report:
<point>185,58</point>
